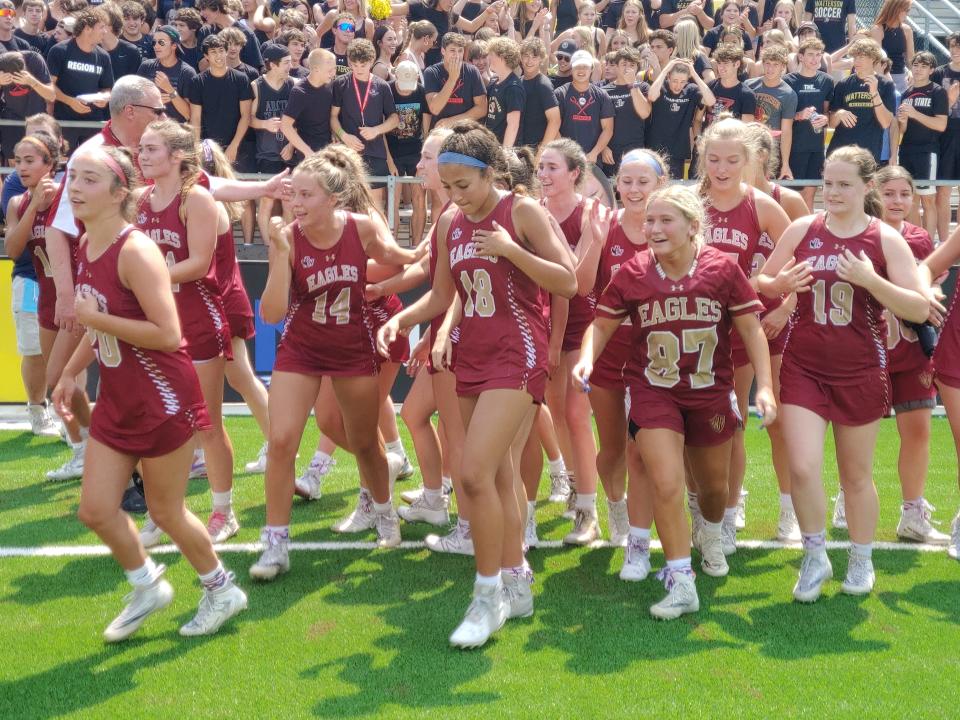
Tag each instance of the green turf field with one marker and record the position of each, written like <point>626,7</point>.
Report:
<point>350,634</point>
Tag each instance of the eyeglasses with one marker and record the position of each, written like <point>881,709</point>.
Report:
<point>7,12</point>
<point>562,58</point>
<point>158,111</point>
<point>346,27</point>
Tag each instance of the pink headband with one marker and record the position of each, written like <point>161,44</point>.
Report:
<point>115,167</point>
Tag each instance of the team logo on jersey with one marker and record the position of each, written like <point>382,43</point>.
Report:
<point>717,422</point>
<point>616,251</point>
<point>307,262</point>
<point>581,101</point>
<point>926,379</point>
<point>456,234</point>
<point>676,288</point>
<point>141,219</point>
<point>816,244</point>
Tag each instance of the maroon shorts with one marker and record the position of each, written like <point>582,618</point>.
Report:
<point>326,364</point>
<point>713,424</point>
<point>46,311</point>
<point>399,350</point>
<point>161,440</point>
<point>210,345</point>
<point>533,382</point>
<point>845,402</point>
<point>241,326</point>
<point>914,388</point>
<point>577,323</point>
<point>738,350</point>
<point>608,370</point>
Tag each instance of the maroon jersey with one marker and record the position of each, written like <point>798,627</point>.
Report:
<point>229,281</point>
<point>502,332</point>
<point>37,245</point>
<point>381,310</point>
<point>582,307</point>
<point>329,329</point>
<point>432,265</point>
<point>681,328</point>
<point>838,330</point>
<point>903,350</point>
<point>737,233</point>
<point>140,390</point>
<point>199,304</point>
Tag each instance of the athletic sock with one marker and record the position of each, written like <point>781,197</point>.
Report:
<point>814,542</point>
<point>396,447</point>
<point>640,533</point>
<point>786,501</point>
<point>276,534</point>
<point>531,507</point>
<point>491,581</point>
<point>144,575</point>
<point>222,500</point>
<point>692,501</point>
<point>586,501</point>
<point>864,549</point>
<point>730,515</point>
<point>382,508</point>
<point>913,504</point>
<point>84,433</point>
<point>216,579</point>
<point>320,457</point>
<point>433,497</point>
<point>522,572</point>
<point>556,466</point>
<point>464,527</point>
<point>446,483</point>
<point>681,564</point>
<point>710,529</point>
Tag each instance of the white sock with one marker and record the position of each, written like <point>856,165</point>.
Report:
<point>396,447</point>
<point>464,525</point>
<point>320,457</point>
<point>433,497</point>
<point>491,581</point>
<point>679,564</point>
<point>446,482</point>
<point>640,533</point>
<point>864,550</point>
<point>84,433</point>
<point>711,530</point>
<point>786,501</point>
<point>586,502</point>
<point>277,533</point>
<point>556,466</point>
<point>382,508</point>
<point>222,499</point>
<point>144,575</point>
<point>216,579</point>
<point>730,515</point>
<point>531,508</point>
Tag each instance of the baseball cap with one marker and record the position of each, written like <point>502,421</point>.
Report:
<point>567,47</point>
<point>171,32</point>
<point>581,57</point>
<point>808,26</point>
<point>274,52</point>
<point>408,75</point>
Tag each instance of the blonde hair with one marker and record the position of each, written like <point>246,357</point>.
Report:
<point>124,160</point>
<point>585,38</point>
<point>687,34</point>
<point>687,203</point>
<point>866,167</point>
<point>215,162</point>
<point>179,137</point>
<point>760,138</point>
<point>663,176</point>
<point>340,173</point>
<point>727,129</point>
<point>643,31</point>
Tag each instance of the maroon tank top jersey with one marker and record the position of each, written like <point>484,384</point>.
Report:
<point>617,251</point>
<point>438,321</point>
<point>381,310</point>
<point>903,349</point>
<point>236,304</point>
<point>737,233</point>
<point>503,338</point>
<point>149,401</point>
<point>37,245</point>
<point>838,329</point>
<point>328,329</point>
<point>582,307</point>
<point>199,304</point>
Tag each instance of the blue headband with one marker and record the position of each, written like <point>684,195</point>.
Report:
<point>454,158</point>
<point>644,157</point>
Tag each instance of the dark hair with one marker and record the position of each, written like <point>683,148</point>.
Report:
<point>361,50</point>
<point>669,39</point>
<point>291,35</point>
<point>212,42</point>
<point>573,156</point>
<point>627,54</point>
<point>519,176</point>
<point>48,144</point>
<point>11,62</point>
<point>83,20</point>
<point>728,53</point>
<point>51,127</point>
<point>925,57</point>
<point>109,13</point>
<point>474,140</point>
<point>953,39</point>
<point>219,6</point>
<point>189,17</point>
<point>131,9</point>
<point>452,38</point>
<point>866,166</point>
<point>124,159</point>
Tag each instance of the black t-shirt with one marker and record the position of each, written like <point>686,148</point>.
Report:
<point>18,102</point>
<point>540,98</point>
<point>852,94</point>
<point>406,139</point>
<point>378,105</point>
<point>250,53</point>
<point>144,45</point>
<point>581,113</point>
<point>668,130</point>
<point>669,7</point>
<point>192,57</point>
<point>40,43</point>
<point>738,100</point>
<point>271,103</point>
<point>78,73</point>
<point>251,72</point>
<point>815,92</point>
<point>181,76</point>
<point>467,88</point>
<point>751,16</point>
<point>711,38</point>
<point>309,107</point>
<point>503,98</point>
<point>830,16</point>
<point>125,59</point>
<point>220,99</point>
<point>558,81</point>
<point>441,21</point>
<point>929,100</point>
<point>343,65</point>
<point>946,77</point>
<point>15,43</point>
<point>628,127</point>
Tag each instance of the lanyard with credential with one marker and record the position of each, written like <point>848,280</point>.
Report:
<point>366,97</point>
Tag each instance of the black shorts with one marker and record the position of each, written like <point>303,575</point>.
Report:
<point>10,135</point>
<point>376,167</point>
<point>948,163</point>
<point>807,165</point>
<point>923,167</point>
<point>406,166</point>
<point>270,167</point>
<point>246,161</point>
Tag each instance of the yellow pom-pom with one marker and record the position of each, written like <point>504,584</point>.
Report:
<point>379,9</point>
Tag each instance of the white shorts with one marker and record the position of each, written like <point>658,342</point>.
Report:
<point>27,327</point>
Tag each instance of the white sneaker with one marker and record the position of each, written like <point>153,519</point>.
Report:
<point>586,529</point>
<point>274,561</point>
<point>915,524</point>
<point>199,467</point>
<point>681,596</point>
<point>410,496</point>
<point>420,510</point>
<point>141,604</point>
<point>222,526</point>
<point>860,576</point>
<point>530,539</point>
<point>258,466</point>
<point>728,537</point>
<point>839,512</point>
<point>713,561</point>
<point>388,529</point>
<point>636,560</point>
<point>456,542</point>
<point>788,529</point>
<point>406,470</point>
<point>518,593</point>
<point>815,570</point>
<point>72,468</point>
<point>487,613</point>
<point>559,487</point>
<point>618,522</point>
<point>41,424</point>
<point>150,533</point>
<point>742,509</point>
<point>308,485</point>
<point>362,518</point>
<point>953,549</point>
<point>215,609</point>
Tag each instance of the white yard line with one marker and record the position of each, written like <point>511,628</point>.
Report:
<point>87,550</point>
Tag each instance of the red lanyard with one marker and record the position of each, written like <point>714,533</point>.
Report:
<point>366,97</point>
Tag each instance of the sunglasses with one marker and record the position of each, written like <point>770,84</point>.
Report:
<point>7,12</point>
<point>161,43</point>
<point>346,27</point>
<point>562,58</point>
<point>158,111</point>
